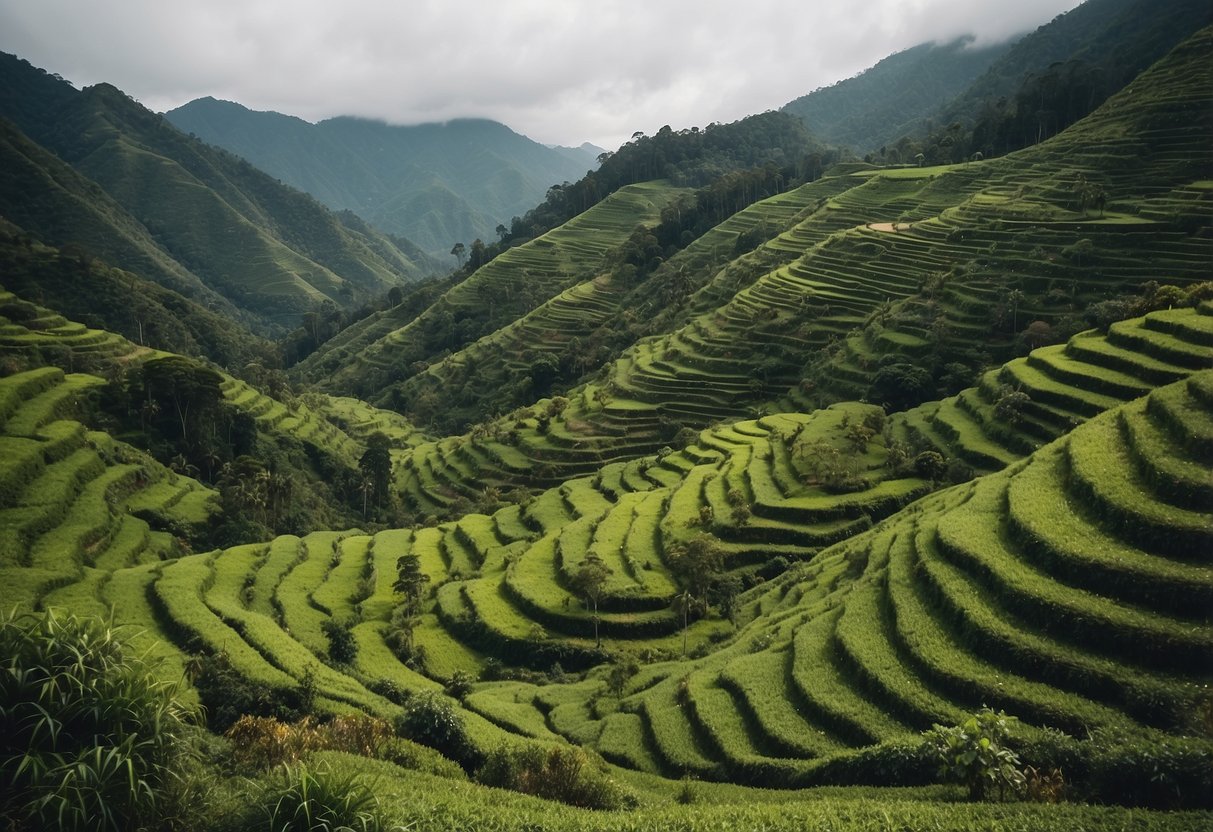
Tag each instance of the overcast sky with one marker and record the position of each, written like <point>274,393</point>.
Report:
<point>559,71</point>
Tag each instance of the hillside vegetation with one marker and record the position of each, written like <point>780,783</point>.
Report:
<point>434,183</point>
<point>887,101</point>
<point>715,494</point>
<point>268,250</point>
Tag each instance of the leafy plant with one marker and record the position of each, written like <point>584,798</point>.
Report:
<point>974,753</point>
<point>430,719</point>
<point>560,772</point>
<point>343,649</point>
<point>91,737</point>
<point>303,799</point>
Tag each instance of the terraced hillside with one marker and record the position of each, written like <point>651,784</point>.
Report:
<point>761,493</point>
<point>918,260</point>
<point>720,558</point>
<point>293,463</point>
<point>75,503</point>
<point>1071,589</point>
<point>365,360</point>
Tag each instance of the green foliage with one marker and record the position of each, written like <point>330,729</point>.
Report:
<point>91,737</point>
<point>868,110</point>
<point>303,798</point>
<point>227,694</point>
<point>343,649</point>
<point>975,753</point>
<point>410,581</point>
<point>561,772</point>
<point>459,685</point>
<point>430,719</point>
<point>899,386</point>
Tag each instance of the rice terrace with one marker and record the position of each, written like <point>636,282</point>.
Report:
<point>847,466</point>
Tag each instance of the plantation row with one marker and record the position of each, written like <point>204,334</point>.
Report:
<point>74,502</point>
<point>1072,590</point>
<point>927,267</point>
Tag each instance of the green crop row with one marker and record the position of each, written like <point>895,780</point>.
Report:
<point>178,595</point>
<point>1057,536</point>
<point>1018,644</point>
<point>1102,474</point>
<point>1163,463</point>
<point>971,537</point>
<point>971,680</point>
<point>828,695</point>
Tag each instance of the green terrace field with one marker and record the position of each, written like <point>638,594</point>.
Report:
<point>32,332</point>
<point>1063,385</point>
<point>882,451</point>
<point>1060,386</point>
<point>507,288</point>
<point>906,264</point>
<point>1071,589</point>
<point>76,503</point>
<point>27,327</point>
<point>502,584</point>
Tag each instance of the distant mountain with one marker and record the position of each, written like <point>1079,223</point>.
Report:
<point>883,103</point>
<point>1053,77</point>
<point>584,153</point>
<point>436,184</point>
<point>1115,40</point>
<point>94,168</point>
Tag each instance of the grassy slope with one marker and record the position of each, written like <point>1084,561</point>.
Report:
<point>978,230</point>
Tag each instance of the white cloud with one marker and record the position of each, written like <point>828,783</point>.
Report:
<point>557,70</point>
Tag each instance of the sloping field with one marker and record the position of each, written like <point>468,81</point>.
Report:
<point>1071,589</point>
<point>1008,233</point>
<point>508,287</point>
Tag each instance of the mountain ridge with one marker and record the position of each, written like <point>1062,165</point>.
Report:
<point>437,183</point>
<point>271,251</point>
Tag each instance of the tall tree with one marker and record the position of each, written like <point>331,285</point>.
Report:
<point>410,581</point>
<point>376,465</point>
<point>589,580</point>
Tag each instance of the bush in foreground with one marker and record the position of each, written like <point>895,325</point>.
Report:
<point>91,737</point>
<point>559,772</point>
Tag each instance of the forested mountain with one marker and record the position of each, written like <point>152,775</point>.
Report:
<point>193,216</point>
<point>436,184</point>
<point>952,100</point>
<point>884,103</point>
<point>1057,74</point>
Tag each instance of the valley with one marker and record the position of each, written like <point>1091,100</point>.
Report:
<point>737,484</point>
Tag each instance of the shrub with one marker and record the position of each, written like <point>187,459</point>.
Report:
<point>930,465</point>
<point>302,799</point>
<point>561,772</point>
<point>343,649</point>
<point>459,685</point>
<point>90,736</point>
<point>430,719</point>
<point>975,753</point>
